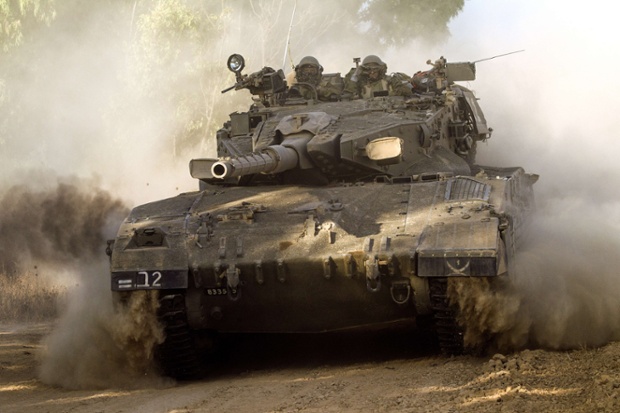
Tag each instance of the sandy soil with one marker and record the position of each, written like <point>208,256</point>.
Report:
<point>375,372</point>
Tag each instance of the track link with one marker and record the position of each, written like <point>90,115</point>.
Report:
<point>177,355</point>
<point>449,332</point>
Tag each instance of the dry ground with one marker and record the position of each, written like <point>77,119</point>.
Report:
<point>379,372</point>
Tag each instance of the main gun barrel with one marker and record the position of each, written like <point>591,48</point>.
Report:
<point>273,159</point>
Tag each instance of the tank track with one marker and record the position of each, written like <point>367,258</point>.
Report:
<point>177,355</point>
<point>449,333</point>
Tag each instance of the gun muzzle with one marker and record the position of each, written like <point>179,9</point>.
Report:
<point>229,88</point>
<point>273,159</point>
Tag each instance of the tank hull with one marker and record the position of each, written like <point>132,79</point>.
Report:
<point>313,259</point>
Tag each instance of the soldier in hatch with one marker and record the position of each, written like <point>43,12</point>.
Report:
<point>371,79</point>
<point>310,82</point>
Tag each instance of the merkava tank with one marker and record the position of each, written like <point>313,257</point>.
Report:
<point>327,216</point>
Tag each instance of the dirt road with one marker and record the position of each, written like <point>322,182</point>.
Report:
<point>380,372</point>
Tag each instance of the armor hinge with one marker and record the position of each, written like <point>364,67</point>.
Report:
<point>373,280</point>
<point>329,267</point>
<point>349,265</point>
<point>281,270</point>
<point>258,272</point>
<point>222,249</point>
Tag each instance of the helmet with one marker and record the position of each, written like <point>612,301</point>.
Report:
<point>309,60</point>
<point>309,70</point>
<point>373,59</point>
<point>373,67</point>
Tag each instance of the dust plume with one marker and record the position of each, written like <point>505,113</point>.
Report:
<point>51,228</point>
<point>60,231</point>
<point>562,294</point>
<point>564,291</point>
<point>569,279</point>
<point>56,226</point>
<point>97,346</point>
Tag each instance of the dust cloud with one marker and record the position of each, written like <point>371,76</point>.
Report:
<point>562,294</point>
<point>59,226</point>
<point>554,118</point>
<point>95,346</point>
<point>85,148</point>
<point>60,231</point>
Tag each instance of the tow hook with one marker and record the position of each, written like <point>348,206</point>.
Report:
<point>400,291</point>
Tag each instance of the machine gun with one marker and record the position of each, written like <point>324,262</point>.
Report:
<point>267,83</point>
<point>443,74</point>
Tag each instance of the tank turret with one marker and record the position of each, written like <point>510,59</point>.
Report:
<point>306,145</point>
<point>350,140</point>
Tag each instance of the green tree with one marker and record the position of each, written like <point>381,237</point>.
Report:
<point>175,55</point>
<point>49,73</point>
<point>394,22</point>
<point>18,18</point>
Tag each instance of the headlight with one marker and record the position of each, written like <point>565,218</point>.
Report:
<point>236,63</point>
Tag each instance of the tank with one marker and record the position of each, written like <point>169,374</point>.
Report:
<point>323,216</point>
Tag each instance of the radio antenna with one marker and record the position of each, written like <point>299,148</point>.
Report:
<point>287,46</point>
<point>505,54</point>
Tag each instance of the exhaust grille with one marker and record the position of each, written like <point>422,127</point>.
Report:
<point>463,188</point>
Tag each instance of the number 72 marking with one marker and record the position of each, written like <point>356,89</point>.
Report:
<point>151,280</point>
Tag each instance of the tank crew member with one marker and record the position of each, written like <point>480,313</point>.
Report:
<point>325,87</point>
<point>371,79</point>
